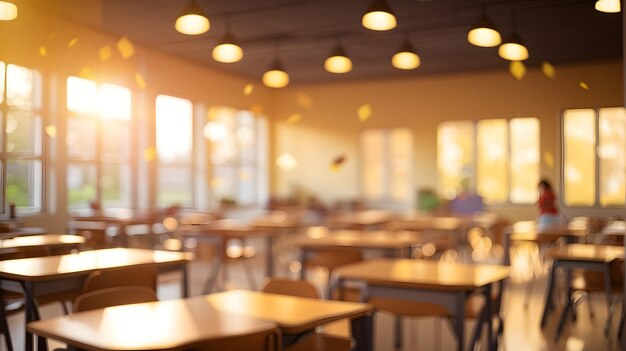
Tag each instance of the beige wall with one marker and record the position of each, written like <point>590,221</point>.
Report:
<point>330,126</point>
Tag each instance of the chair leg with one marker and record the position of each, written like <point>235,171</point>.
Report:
<point>4,325</point>
<point>609,298</point>
<point>66,310</point>
<point>398,333</point>
<point>478,328</point>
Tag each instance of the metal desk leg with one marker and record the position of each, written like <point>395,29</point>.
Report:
<point>551,280</point>
<point>362,333</point>
<point>216,265</point>
<point>489,315</point>
<point>608,289</point>
<point>459,320</point>
<point>568,307</point>
<point>269,268</point>
<point>5,324</point>
<point>185,282</point>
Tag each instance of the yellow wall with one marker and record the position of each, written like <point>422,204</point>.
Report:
<point>330,125</point>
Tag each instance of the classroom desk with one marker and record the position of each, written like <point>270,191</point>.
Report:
<point>51,274</point>
<point>177,324</point>
<point>117,216</point>
<point>368,219</point>
<point>24,231</point>
<point>50,242</point>
<point>218,233</point>
<point>444,283</point>
<point>619,228</point>
<point>580,256</point>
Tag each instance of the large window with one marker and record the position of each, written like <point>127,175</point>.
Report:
<point>238,152</point>
<point>174,141</point>
<point>499,158</point>
<point>387,172</point>
<point>98,144</point>
<point>594,157</point>
<point>21,136</point>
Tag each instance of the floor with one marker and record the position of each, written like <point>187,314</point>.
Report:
<point>522,331</point>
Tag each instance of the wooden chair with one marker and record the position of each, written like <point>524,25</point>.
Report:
<point>128,276</point>
<point>315,341</point>
<point>123,295</point>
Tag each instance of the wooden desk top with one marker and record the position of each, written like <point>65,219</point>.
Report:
<point>24,231</point>
<point>82,263</point>
<point>587,252</point>
<point>42,240</point>
<point>528,231</point>
<point>292,314</point>
<point>166,325</point>
<point>417,221</point>
<point>225,227</point>
<point>423,274</point>
<point>361,240</point>
<point>362,218</point>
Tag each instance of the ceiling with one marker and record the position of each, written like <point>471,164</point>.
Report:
<point>303,33</point>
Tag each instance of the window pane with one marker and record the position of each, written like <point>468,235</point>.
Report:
<point>400,150</point>
<point>114,102</point>
<point>81,138</point>
<point>373,151</point>
<point>524,159</point>
<point>115,185</point>
<point>24,183</point>
<point>223,184</point>
<point>81,184</point>
<point>2,67</point>
<point>115,141</point>
<point>175,187</point>
<point>455,156</point>
<point>579,157</point>
<point>492,156</point>
<point>82,95</point>
<point>245,186</point>
<point>23,87</point>
<point>23,132</point>
<point>612,157</point>
<point>174,123</point>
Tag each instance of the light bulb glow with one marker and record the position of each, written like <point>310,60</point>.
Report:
<point>338,64</point>
<point>8,11</point>
<point>484,37</point>
<point>192,21</point>
<point>608,6</point>
<point>405,60</point>
<point>513,51</point>
<point>227,53</point>
<point>276,78</point>
<point>379,20</point>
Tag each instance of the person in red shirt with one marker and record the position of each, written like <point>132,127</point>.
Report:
<point>548,212</point>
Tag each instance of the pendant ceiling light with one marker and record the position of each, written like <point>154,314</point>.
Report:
<point>338,61</point>
<point>512,47</point>
<point>192,20</point>
<point>276,76</point>
<point>379,16</point>
<point>406,58</point>
<point>8,11</point>
<point>227,50</point>
<point>609,6</point>
<point>484,33</point>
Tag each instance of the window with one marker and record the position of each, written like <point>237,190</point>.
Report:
<point>238,153</point>
<point>387,172</point>
<point>174,141</point>
<point>98,144</point>
<point>594,161</point>
<point>499,157</point>
<point>21,154</point>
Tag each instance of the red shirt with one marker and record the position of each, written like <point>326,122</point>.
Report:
<point>546,203</point>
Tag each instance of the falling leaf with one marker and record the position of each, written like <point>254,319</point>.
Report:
<point>72,42</point>
<point>583,85</point>
<point>294,118</point>
<point>149,154</point>
<point>548,159</point>
<point>337,163</point>
<point>105,53</point>
<point>86,73</point>
<point>51,131</point>
<point>304,100</point>
<point>141,83</point>
<point>43,51</point>
<point>126,48</point>
<point>548,69</point>
<point>247,90</point>
<point>256,109</point>
<point>364,112</point>
<point>286,162</point>
<point>517,69</point>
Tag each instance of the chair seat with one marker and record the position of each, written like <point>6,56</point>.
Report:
<point>322,342</point>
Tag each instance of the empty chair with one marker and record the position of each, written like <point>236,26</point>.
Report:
<point>315,341</point>
<point>123,295</point>
<point>128,276</point>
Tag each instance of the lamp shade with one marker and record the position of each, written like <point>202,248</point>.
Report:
<point>484,33</point>
<point>379,16</point>
<point>192,20</point>
<point>227,51</point>
<point>609,6</point>
<point>276,76</point>
<point>8,11</point>
<point>338,61</point>
<point>406,58</point>
<point>513,49</point>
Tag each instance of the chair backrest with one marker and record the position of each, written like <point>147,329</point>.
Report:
<point>267,339</point>
<point>299,288</point>
<point>129,276</point>
<point>124,295</point>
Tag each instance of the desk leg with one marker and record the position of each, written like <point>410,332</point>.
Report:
<point>459,321</point>
<point>269,268</point>
<point>303,257</point>
<point>568,306</point>
<point>489,314</point>
<point>32,315</point>
<point>362,333</point>
<point>551,281</point>
<point>5,325</point>
<point>216,265</point>
<point>185,282</point>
